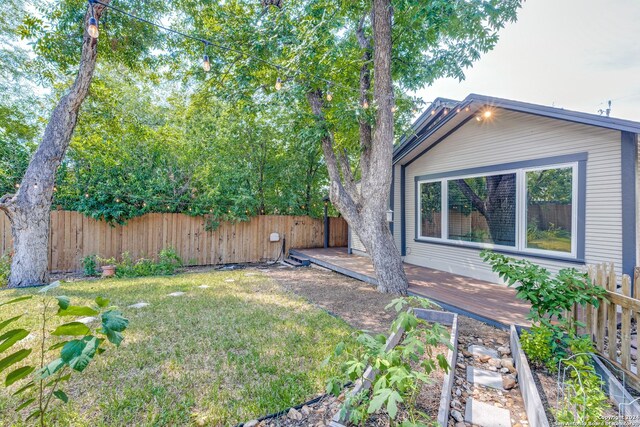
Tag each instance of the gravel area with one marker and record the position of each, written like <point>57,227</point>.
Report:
<point>360,305</point>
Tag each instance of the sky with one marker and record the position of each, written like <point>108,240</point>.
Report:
<point>572,54</point>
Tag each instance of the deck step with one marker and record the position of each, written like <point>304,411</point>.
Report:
<point>293,262</point>
<point>301,259</point>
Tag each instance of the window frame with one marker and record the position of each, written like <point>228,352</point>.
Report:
<point>521,211</point>
<point>574,211</point>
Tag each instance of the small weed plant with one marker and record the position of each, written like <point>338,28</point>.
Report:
<point>536,344</point>
<point>90,265</point>
<point>5,269</point>
<point>584,400</point>
<point>61,353</point>
<point>401,371</point>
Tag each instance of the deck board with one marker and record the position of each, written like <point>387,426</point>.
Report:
<point>493,303</point>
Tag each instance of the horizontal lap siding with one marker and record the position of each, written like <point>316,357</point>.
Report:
<point>397,225</point>
<point>512,137</point>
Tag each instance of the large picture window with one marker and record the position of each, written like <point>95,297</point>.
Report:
<point>529,210</point>
<point>483,209</point>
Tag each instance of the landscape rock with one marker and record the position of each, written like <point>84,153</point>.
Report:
<point>484,358</point>
<point>508,382</point>
<point>457,415</point>
<point>495,362</point>
<point>305,410</point>
<point>479,350</point>
<point>294,414</point>
<point>251,423</point>
<point>507,362</point>
<point>139,305</point>
<point>176,294</point>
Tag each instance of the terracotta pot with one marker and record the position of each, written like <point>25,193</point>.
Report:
<point>108,270</point>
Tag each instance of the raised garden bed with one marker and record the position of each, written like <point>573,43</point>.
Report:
<point>540,388</point>
<point>432,316</point>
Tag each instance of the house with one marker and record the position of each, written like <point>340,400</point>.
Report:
<point>556,187</point>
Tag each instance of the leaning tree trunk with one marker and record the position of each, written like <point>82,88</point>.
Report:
<point>29,209</point>
<point>364,206</point>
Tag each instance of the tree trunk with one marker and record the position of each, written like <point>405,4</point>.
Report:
<point>29,209</point>
<point>364,206</point>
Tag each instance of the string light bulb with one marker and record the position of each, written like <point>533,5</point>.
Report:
<point>365,104</point>
<point>278,83</point>
<point>92,26</point>
<point>206,64</point>
<point>329,96</point>
<point>394,108</point>
<point>17,185</point>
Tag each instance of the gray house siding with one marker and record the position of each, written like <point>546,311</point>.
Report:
<point>519,137</point>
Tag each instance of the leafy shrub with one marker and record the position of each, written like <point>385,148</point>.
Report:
<point>550,297</point>
<point>5,270</point>
<point>401,370</point>
<point>90,264</point>
<point>537,345</point>
<point>168,262</point>
<point>37,385</point>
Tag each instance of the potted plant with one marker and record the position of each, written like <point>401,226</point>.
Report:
<point>108,267</point>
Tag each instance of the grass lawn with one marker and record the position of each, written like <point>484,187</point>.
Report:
<point>560,244</point>
<point>237,350</point>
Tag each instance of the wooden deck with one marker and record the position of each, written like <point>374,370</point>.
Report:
<point>489,302</point>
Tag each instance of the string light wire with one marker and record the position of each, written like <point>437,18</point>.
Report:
<point>222,46</point>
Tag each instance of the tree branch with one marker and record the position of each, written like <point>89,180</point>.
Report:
<point>365,85</point>
<point>476,201</point>
<point>346,199</point>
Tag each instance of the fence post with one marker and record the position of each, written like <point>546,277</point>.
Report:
<point>612,321</point>
<point>625,332</point>
<point>601,312</point>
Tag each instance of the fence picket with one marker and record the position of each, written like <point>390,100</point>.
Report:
<point>74,236</point>
<point>606,318</point>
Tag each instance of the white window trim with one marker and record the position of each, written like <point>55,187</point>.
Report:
<point>521,212</point>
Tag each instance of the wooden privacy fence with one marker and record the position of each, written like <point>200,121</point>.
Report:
<point>610,325</point>
<point>73,236</point>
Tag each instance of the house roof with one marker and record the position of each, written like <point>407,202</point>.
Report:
<point>445,115</point>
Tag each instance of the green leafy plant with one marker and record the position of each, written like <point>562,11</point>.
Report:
<point>75,343</point>
<point>553,341</point>
<point>400,370</point>
<point>584,400</point>
<point>551,297</point>
<point>537,345</point>
<point>5,269</point>
<point>168,263</point>
<point>89,265</point>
